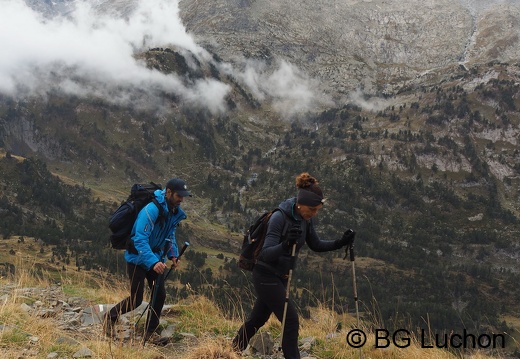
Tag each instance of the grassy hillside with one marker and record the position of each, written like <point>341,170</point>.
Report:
<point>30,333</point>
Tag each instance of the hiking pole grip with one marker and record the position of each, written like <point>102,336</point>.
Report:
<point>181,252</point>
<point>183,249</point>
<point>351,249</point>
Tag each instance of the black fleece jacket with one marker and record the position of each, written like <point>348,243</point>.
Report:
<point>273,252</point>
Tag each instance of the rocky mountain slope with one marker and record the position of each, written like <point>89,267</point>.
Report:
<point>377,46</point>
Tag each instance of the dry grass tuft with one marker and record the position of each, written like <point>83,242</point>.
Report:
<point>212,349</point>
<point>199,315</point>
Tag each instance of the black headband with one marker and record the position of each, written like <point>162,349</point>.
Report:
<point>308,198</point>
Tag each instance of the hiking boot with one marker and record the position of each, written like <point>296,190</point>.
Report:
<point>109,326</point>
<point>155,339</point>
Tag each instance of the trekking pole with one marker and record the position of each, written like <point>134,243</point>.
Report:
<point>156,286</point>
<point>288,289</point>
<point>150,306</point>
<point>183,249</point>
<point>351,248</point>
<point>354,282</point>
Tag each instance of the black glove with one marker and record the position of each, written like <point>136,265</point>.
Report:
<point>347,239</point>
<point>292,237</point>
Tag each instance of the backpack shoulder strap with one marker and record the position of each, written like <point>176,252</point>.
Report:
<point>162,215</point>
<point>285,224</point>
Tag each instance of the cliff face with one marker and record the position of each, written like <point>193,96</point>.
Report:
<point>373,45</point>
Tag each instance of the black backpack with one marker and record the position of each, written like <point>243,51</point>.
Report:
<point>254,240</point>
<point>122,220</point>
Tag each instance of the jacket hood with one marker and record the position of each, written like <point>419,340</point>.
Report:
<point>160,196</point>
<point>287,207</point>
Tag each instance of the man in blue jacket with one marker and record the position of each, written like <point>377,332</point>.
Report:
<point>153,239</point>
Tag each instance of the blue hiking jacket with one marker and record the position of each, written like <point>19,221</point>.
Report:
<point>153,241</point>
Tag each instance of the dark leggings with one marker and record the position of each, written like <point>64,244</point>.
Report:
<point>271,291</point>
<point>137,276</point>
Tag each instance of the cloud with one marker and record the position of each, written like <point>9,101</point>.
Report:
<point>91,54</point>
<point>93,51</point>
<point>288,89</point>
<point>373,104</point>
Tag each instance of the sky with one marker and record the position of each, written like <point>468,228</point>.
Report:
<point>88,54</point>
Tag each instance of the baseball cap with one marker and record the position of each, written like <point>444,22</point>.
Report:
<point>179,186</point>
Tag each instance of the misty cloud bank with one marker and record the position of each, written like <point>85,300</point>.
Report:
<point>288,89</point>
<point>92,54</point>
<point>89,54</point>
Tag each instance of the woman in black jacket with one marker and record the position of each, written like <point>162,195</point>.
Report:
<point>270,274</point>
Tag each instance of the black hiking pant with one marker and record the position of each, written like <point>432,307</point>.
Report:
<point>137,277</point>
<point>271,291</point>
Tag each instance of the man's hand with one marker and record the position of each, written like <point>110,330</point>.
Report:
<point>175,262</point>
<point>159,267</point>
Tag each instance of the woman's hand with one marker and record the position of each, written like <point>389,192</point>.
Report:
<point>347,239</point>
<point>292,237</point>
